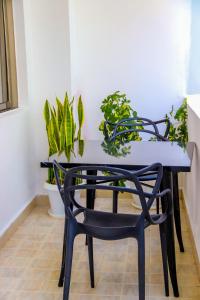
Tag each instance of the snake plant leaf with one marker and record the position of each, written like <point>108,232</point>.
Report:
<point>62,137</point>
<point>55,129</point>
<point>74,131</point>
<point>66,100</point>
<point>59,112</point>
<point>80,116</point>
<point>68,124</point>
<point>51,177</point>
<point>68,152</point>
<point>81,147</point>
<point>46,113</point>
<point>51,138</point>
<point>72,101</point>
<point>54,110</point>
<point>73,125</point>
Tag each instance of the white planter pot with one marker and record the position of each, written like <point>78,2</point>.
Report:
<point>56,205</point>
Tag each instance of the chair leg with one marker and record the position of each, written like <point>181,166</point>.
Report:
<point>167,183</point>
<point>157,205</point>
<point>177,216</point>
<point>91,259</point>
<point>171,256</point>
<point>62,270</point>
<point>164,256</point>
<point>115,201</point>
<point>141,265</point>
<point>68,262</point>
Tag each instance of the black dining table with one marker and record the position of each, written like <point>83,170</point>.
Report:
<point>134,155</point>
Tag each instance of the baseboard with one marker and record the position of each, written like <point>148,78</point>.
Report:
<point>191,234</point>
<point>18,221</point>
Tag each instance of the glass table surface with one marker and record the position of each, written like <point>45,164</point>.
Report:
<point>171,155</point>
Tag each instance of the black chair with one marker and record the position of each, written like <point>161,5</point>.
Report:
<point>122,130</point>
<point>111,226</point>
<point>136,124</point>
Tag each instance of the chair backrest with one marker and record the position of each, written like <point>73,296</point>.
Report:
<point>114,174</point>
<point>137,124</point>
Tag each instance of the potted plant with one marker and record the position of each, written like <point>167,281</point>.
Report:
<point>62,132</point>
<point>116,107</point>
<point>178,124</point>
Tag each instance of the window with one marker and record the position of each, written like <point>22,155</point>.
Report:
<point>8,78</point>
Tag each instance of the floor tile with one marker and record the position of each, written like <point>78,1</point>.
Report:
<point>30,263</point>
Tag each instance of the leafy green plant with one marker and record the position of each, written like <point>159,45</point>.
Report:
<point>116,148</point>
<point>178,128</point>
<point>116,107</point>
<point>61,128</point>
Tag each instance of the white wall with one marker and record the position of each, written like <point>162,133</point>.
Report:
<point>44,47</point>
<point>17,178</point>
<point>110,45</point>
<point>139,47</point>
<point>191,187</point>
<point>126,45</point>
<point>194,67</point>
<point>48,61</point>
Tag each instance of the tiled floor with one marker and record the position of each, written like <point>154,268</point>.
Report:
<point>30,262</point>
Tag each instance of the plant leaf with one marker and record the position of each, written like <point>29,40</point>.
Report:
<point>55,129</point>
<point>81,147</point>
<point>59,112</point>
<point>52,143</point>
<point>68,124</point>
<point>80,116</point>
<point>46,113</point>
<point>68,152</point>
<point>62,137</point>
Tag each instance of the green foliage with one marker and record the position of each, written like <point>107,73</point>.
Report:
<point>178,129</point>
<point>116,107</point>
<point>116,148</point>
<point>81,147</point>
<point>80,116</point>
<point>61,128</point>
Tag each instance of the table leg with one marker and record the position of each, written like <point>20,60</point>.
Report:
<point>167,183</point>
<point>177,215</point>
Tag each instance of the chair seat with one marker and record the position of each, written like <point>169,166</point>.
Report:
<point>109,220</point>
<point>109,225</point>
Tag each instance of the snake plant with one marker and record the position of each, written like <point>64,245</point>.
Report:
<point>61,127</point>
